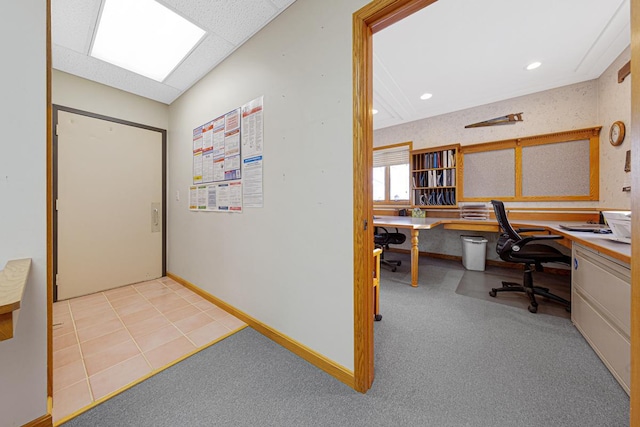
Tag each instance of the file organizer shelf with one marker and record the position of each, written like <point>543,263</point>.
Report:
<point>434,177</point>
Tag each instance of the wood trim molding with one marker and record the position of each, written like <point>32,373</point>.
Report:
<point>373,17</point>
<point>43,421</point>
<point>318,360</point>
<point>49,184</point>
<point>635,220</point>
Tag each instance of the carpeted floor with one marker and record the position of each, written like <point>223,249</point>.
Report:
<point>442,359</point>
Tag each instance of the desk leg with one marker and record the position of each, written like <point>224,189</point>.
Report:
<point>415,254</point>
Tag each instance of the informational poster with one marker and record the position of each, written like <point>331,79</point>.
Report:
<point>216,149</point>
<point>228,161</point>
<point>193,198</point>
<point>252,151</point>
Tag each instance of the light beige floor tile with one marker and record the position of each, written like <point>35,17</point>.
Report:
<point>118,376</point>
<point>182,313</point>
<point>119,293</point>
<point>62,327</point>
<point>158,337</point>
<point>68,374</point>
<point>111,356</point>
<point>167,303</point>
<point>204,305</point>
<point>168,352</point>
<point>61,307</point>
<point>66,356</point>
<point>207,333</point>
<point>194,322</point>
<point>146,312</point>
<point>104,342</point>
<point>152,293</point>
<point>99,330</point>
<point>189,295</point>
<point>136,307</point>
<point>216,312</point>
<point>173,285</point>
<point>232,322</point>
<point>96,311</point>
<point>70,399</point>
<point>100,317</point>
<point>146,286</point>
<point>148,325</point>
<point>118,304</point>
<point>84,302</point>
<point>61,342</point>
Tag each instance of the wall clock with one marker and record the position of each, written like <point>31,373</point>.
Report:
<point>616,133</point>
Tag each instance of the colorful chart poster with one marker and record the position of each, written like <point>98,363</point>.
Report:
<point>252,153</point>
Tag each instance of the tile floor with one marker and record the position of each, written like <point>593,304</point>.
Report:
<point>105,341</point>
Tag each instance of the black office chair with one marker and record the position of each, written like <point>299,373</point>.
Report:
<point>382,239</point>
<point>513,248</point>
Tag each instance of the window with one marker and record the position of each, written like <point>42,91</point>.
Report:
<point>391,173</point>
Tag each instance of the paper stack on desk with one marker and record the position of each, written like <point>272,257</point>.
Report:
<point>477,211</point>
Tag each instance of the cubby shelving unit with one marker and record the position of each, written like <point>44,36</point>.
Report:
<point>434,177</point>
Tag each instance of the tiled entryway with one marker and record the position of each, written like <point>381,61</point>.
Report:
<point>106,341</point>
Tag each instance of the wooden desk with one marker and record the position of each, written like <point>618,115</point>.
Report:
<point>599,242</point>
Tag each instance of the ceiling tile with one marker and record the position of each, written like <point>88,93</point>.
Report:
<point>72,23</point>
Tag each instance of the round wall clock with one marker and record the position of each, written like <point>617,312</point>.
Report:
<point>616,133</point>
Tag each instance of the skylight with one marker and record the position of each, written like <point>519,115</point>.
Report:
<point>143,36</point>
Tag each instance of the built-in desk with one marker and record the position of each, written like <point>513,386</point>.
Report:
<point>598,242</point>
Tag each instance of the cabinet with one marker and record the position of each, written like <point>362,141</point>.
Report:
<point>600,308</point>
<point>434,176</point>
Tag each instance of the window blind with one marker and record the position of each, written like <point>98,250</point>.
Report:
<point>391,156</point>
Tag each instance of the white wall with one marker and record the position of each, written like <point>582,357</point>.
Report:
<point>23,359</point>
<point>289,264</point>
<point>75,92</point>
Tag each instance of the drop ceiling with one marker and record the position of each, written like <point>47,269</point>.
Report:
<point>465,52</point>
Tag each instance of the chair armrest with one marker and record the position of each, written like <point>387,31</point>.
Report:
<point>527,230</point>
<point>529,239</point>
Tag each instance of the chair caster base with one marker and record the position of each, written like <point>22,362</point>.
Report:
<point>533,308</point>
<point>493,293</point>
<point>377,317</point>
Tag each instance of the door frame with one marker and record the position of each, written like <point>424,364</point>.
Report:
<point>370,19</point>
<point>374,17</point>
<point>54,138</point>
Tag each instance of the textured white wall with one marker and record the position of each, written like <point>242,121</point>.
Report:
<point>614,103</point>
<point>23,359</point>
<point>597,102</point>
<point>75,92</point>
<point>289,264</point>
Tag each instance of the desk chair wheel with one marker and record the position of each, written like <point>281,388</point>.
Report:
<point>399,264</point>
<point>377,317</point>
<point>493,293</point>
<point>394,269</point>
<point>533,308</point>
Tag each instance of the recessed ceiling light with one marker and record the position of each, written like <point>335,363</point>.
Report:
<point>534,65</point>
<point>426,96</point>
<point>374,111</point>
<point>143,36</point>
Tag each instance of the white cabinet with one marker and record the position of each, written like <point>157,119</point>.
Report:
<point>600,308</point>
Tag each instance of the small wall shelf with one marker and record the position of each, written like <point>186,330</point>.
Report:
<point>12,282</point>
<point>434,177</point>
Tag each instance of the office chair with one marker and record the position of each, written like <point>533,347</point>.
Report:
<point>382,239</point>
<point>512,247</point>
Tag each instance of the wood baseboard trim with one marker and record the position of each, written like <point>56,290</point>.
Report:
<point>316,359</point>
<point>43,421</point>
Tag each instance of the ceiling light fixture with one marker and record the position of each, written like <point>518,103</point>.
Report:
<point>425,96</point>
<point>533,65</point>
<point>143,36</point>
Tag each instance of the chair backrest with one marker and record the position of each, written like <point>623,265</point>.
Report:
<point>503,222</point>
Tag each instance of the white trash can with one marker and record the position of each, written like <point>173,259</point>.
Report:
<point>474,252</point>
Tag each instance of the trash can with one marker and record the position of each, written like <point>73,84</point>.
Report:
<point>474,252</point>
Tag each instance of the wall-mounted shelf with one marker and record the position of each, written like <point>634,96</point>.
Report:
<point>434,177</point>
<point>12,282</point>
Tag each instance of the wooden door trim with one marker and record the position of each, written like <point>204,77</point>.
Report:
<point>373,17</point>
